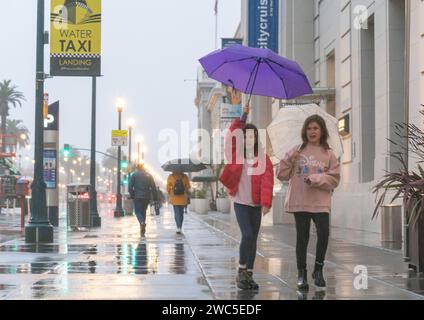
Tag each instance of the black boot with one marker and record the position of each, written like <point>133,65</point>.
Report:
<point>242,279</point>
<point>142,229</point>
<point>318,276</point>
<point>252,283</point>
<point>302,279</point>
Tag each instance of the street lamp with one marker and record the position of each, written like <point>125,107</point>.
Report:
<point>119,212</point>
<point>39,229</point>
<point>139,141</point>
<point>95,219</point>
<point>131,124</point>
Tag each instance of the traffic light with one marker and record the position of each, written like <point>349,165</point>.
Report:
<point>66,150</point>
<point>125,180</point>
<point>124,163</point>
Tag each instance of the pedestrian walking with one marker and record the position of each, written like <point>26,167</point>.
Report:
<point>142,189</point>
<point>313,172</point>
<point>249,178</point>
<point>178,188</point>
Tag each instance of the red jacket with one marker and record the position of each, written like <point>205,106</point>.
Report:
<point>262,185</point>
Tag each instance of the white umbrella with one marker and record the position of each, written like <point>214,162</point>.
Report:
<point>285,130</point>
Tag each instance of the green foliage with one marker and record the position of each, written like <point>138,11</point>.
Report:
<point>17,128</point>
<point>405,183</point>
<point>222,193</point>
<point>199,193</point>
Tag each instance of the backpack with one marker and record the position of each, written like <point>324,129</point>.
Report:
<point>179,187</point>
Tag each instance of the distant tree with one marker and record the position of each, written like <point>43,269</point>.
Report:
<point>9,96</point>
<point>16,127</point>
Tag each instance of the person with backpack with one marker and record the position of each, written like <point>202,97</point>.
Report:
<point>178,188</point>
<point>313,172</point>
<point>142,189</point>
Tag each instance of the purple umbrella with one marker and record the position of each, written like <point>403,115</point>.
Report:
<point>257,71</point>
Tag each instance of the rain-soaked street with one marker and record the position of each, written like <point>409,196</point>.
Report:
<point>114,263</point>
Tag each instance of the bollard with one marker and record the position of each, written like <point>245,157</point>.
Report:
<point>22,191</point>
<point>23,198</point>
<point>391,226</point>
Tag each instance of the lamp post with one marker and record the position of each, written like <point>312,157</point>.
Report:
<point>95,220</point>
<point>139,141</point>
<point>39,229</point>
<point>129,208</point>
<point>131,123</point>
<point>119,211</point>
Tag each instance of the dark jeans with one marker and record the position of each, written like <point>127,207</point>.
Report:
<point>303,224</point>
<point>179,216</point>
<point>249,221</point>
<point>140,207</point>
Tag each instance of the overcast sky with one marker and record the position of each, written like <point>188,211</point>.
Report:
<point>149,48</point>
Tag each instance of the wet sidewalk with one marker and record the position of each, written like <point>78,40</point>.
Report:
<point>113,263</point>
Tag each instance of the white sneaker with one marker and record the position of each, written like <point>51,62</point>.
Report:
<point>179,231</point>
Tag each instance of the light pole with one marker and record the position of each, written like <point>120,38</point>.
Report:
<point>119,211</point>
<point>39,229</point>
<point>139,141</point>
<point>131,123</point>
<point>95,220</point>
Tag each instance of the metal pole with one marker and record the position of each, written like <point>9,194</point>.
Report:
<point>39,229</point>
<point>129,145</point>
<point>95,220</point>
<point>406,115</point>
<point>119,212</point>
<point>138,152</point>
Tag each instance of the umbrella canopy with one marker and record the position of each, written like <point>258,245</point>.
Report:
<point>257,71</point>
<point>285,130</point>
<point>183,165</point>
<point>204,179</point>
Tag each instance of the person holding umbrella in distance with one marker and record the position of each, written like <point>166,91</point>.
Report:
<point>178,187</point>
<point>313,172</point>
<point>250,184</point>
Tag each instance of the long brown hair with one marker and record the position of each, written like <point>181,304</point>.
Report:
<point>251,126</point>
<point>324,131</point>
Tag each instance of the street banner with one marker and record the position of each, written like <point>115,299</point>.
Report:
<point>119,138</point>
<point>51,122</point>
<point>75,44</point>
<point>228,42</point>
<point>46,105</point>
<point>263,24</point>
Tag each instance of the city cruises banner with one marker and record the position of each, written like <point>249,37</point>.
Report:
<point>75,38</point>
<point>263,24</point>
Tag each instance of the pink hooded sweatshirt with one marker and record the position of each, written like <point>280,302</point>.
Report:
<point>322,169</point>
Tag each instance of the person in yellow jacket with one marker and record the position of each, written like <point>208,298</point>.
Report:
<point>178,187</point>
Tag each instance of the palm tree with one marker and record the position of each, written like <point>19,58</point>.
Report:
<point>18,129</point>
<point>9,96</point>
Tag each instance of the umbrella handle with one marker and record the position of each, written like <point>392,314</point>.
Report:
<point>256,70</point>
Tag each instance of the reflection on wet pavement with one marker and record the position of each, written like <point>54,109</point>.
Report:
<point>114,263</point>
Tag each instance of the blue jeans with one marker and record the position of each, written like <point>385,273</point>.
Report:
<point>179,216</point>
<point>249,220</point>
<point>140,207</point>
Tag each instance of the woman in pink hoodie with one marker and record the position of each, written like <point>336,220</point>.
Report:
<point>313,171</point>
